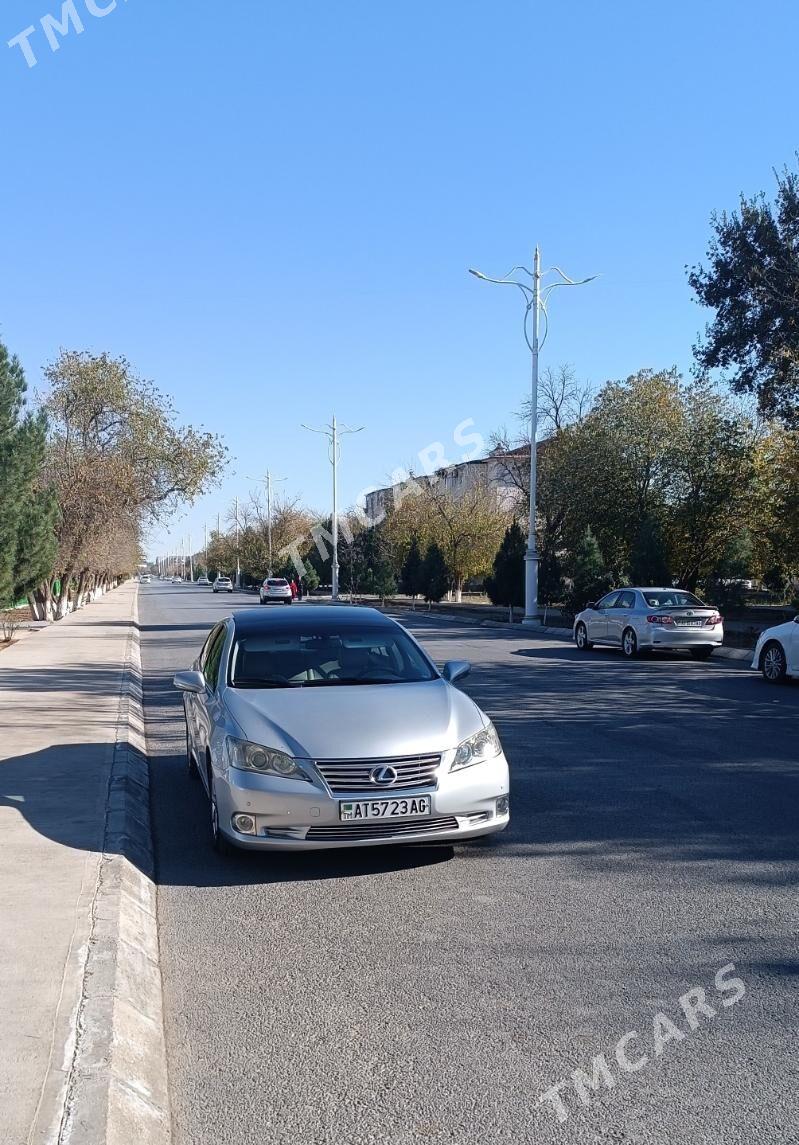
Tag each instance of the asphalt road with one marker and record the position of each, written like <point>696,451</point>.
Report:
<point>432,995</point>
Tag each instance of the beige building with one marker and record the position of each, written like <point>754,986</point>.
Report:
<point>497,471</point>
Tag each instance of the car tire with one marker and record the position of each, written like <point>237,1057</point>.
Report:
<point>581,638</point>
<point>701,653</point>
<point>288,602</point>
<point>218,840</point>
<point>773,663</point>
<point>629,644</point>
<point>216,590</point>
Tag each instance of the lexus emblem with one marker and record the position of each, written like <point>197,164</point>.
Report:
<point>383,776</point>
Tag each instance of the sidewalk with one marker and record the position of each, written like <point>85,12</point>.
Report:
<point>65,803</point>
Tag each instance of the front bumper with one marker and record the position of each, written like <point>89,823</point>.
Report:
<point>294,816</point>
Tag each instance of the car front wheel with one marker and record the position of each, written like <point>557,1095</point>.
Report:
<point>629,644</point>
<point>581,638</point>
<point>773,663</point>
<point>218,840</point>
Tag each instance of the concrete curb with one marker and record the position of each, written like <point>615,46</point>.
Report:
<point>117,1089</point>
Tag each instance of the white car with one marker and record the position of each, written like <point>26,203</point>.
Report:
<point>177,580</point>
<point>144,578</point>
<point>777,652</point>
<point>203,580</point>
<point>223,584</point>
<point>275,590</point>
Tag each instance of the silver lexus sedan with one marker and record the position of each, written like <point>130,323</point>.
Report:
<point>329,726</point>
<point>636,619</point>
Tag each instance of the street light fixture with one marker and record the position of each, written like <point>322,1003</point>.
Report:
<point>535,301</point>
<point>332,432</point>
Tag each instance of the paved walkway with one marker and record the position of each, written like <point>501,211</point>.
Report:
<point>59,708</point>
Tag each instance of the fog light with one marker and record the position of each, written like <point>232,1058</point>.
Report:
<point>503,805</point>
<point>244,824</point>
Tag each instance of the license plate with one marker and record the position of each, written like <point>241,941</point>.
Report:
<point>415,808</point>
<point>690,623</point>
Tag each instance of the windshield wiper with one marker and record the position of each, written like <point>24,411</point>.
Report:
<point>254,682</point>
<point>349,682</point>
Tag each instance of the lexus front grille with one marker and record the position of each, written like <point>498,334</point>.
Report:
<point>354,776</point>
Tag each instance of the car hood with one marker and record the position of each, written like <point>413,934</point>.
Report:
<point>359,722</point>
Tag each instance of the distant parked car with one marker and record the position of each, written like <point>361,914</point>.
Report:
<point>777,652</point>
<point>275,589</point>
<point>223,584</point>
<point>177,580</point>
<point>204,581</point>
<point>636,619</point>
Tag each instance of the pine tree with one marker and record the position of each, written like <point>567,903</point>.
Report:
<point>26,516</point>
<point>550,577</point>
<point>506,583</point>
<point>649,564</point>
<point>591,579</point>
<point>411,575</point>
<point>435,576</point>
<point>378,573</point>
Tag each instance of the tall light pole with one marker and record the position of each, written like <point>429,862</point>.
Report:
<point>238,566</point>
<point>535,301</point>
<point>267,480</point>
<point>332,433</point>
<point>205,547</point>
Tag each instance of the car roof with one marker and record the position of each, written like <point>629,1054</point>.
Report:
<point>309,619</point>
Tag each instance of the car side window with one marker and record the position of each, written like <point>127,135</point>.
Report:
<point>625,600</point>
<point>213,660</point>
<point>608,601</point>
<point>207,646</point>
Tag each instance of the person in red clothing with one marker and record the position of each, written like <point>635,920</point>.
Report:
<point>293,587</point>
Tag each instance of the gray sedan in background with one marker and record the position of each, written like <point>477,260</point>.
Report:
<point>329,726</point>
<point>638,619</point>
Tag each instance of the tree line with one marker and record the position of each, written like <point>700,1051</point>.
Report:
<point>83,471</point>
<point>651,478</point>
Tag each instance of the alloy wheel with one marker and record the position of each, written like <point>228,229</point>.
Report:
<point>629,643</point>
<point>774,663</point>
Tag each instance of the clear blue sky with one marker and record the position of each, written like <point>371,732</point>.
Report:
<point>269,208</point>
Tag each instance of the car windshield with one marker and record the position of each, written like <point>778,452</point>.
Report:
<point>305,660</point>
<point>672,598</point>
<point>277,583</point>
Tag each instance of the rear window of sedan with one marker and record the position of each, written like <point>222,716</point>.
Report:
<point>673,598</point>
<point>276,583</point>
<point>381,656</point>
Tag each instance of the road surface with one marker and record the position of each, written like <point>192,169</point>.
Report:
<point>434,995</point>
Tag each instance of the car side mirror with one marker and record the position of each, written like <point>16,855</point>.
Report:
<point>189,682</point>
<point>455,670</point>
<point>591,604</point>
<point>796,620</point>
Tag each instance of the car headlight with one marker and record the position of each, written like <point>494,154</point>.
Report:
<point>265,760</point>
<point>477,748</point>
